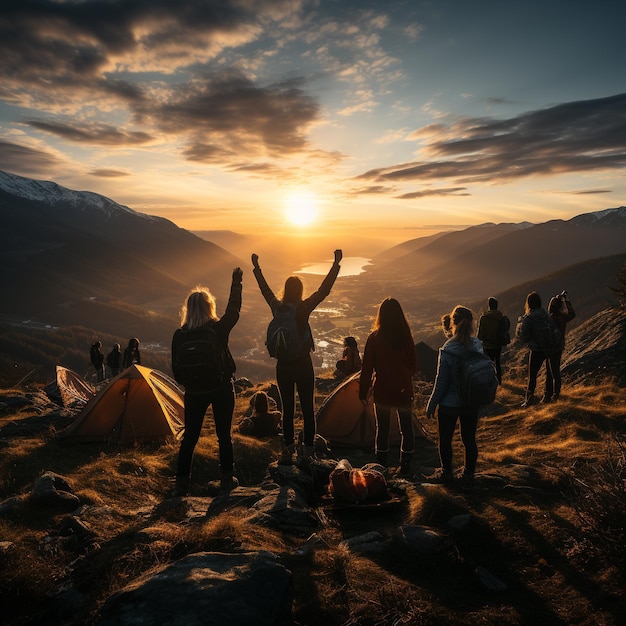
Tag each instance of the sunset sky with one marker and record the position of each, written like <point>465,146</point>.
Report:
<point>377,119</point>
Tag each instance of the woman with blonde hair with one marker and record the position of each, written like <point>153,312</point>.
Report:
<point>445,395</point>
<point>295,372</point>
<point>389,363</point>
<point>206,382</point>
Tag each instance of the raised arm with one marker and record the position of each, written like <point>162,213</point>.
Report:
<point>327,284</point>
<point>267,293</point>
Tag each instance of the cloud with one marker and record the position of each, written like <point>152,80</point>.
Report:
<point>106,173</point>
<point>92,133</point>
<point>228,114</point>
<point>27,161</point>
<point>581,136</point>
<point>450,191</point>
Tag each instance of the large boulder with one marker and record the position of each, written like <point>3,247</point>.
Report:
<point>207,588</point>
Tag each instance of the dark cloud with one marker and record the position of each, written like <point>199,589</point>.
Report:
<point>372,190</point>
<point>228,113</point>
<point>573,137</point>
<point>450,191</point>
<point>26,161</point>
<point>101,134</point>
<point>591,192</point>
<point>105,173</point>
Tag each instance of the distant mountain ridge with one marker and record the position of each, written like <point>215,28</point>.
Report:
<point>72,257</point>
<point>490,258</point>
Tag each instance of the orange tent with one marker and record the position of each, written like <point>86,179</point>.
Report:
<point>345,422</point>
<point>140,404</point>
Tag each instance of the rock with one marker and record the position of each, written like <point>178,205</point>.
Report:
<point>460,522</point>
<point>10,506</point>
<point>53,489</point>
<point>359,540</point>
<point>488,581</point>
<point>420,540</point>
<point>207,588</point>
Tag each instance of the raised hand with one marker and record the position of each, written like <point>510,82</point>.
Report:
<point>255,260</point>
<point>338,256</point>
<point>237,275</point>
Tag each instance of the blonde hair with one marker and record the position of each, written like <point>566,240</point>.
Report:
<point>199,308</point>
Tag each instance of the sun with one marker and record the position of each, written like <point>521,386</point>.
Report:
<point>301,208</point>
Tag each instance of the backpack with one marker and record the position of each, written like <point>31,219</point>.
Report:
<point>201,361</point>
<point>478,381</point>
<point>546,334</point>
<point>504,335</point>
<point>284,340</point>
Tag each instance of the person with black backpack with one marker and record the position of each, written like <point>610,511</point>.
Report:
<point>203,365</point>
<point>539,332</point>
<point>493,331</point>
<point>290,341</point>
<point>561,311</point>
<point>466,380</point>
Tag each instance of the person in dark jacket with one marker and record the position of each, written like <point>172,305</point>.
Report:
<point>389,363</point>
<point>492,327</point>
<point>297,374</point>
<point>262,422</point>
<point>114,360</point>
<point>132,355</point>
<point>198,312</point>
<point>529,332</point>
<point>445,395</point>
<point>561,311</point>
<point>350,361</point>
<point>97,360</point>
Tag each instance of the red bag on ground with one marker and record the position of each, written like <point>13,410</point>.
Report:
<point>348,484</point>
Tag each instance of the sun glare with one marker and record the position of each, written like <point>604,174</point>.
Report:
<point>301,208</point>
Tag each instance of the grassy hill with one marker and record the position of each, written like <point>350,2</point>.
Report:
<point>546,521</point>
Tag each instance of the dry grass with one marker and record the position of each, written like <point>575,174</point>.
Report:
<point>553,535</point>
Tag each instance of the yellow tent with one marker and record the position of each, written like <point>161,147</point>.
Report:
<point>345,423</point>
<point>140,404</point>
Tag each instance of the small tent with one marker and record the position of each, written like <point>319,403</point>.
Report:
<point>344,422</point>
<point>69,388</point>
<point>140,404</point>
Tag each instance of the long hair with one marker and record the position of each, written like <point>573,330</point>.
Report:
<point>260,403</point>
<point>533,301</point>
<point>445,325</point>
<point>198,309</point>
<point>462,323</point>
<point>292,292</point>
<point>391,324</point>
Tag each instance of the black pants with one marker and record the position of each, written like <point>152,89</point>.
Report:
<point>553,372</point>
<point>291,376</point>
<point>383,423</point>
<point>494,355</point>
<point>196,405</point>
<point>447,418</point>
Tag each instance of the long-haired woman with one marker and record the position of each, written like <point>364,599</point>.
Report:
<point>445,395</point>
<point>296,373</point>
<point>389,363</point>
<point>198,313</point>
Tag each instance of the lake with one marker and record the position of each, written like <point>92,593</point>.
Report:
<point>350,266</point>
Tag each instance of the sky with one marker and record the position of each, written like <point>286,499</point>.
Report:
<point>341,119</point>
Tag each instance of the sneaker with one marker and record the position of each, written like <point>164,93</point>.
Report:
<point>440,477</point>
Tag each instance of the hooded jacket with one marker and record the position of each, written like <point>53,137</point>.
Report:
<point>445,392</point>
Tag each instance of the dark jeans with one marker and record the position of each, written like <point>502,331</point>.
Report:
<point>447,418</point>
<point>196,405</point>
<point>494,355</point>
<point>383,423</point>
<point>553,372</point>
<point>291,376</point>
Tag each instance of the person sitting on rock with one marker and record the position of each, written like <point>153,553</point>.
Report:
<point>262,422</point>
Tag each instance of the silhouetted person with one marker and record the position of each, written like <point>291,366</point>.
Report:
<point>493,329</point>
<point>131,353</point>
<point>389,363</point>
<point>562,312</point>
<point>297,374</point>
<point>97,360</point>
<point>445,395</point>
<point>198,316</point>
<point>350,361</point>
<point>262,422</point>
<point>114,360</point>
<point>536,329</point>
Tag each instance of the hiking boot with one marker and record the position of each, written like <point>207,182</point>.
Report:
<point>546,399</point>
<point>466,481</point>
<point>405,463</point>
<point>440,477</point>
<point>182,487</point>
<point>227,481</point>
<point>286,455</point>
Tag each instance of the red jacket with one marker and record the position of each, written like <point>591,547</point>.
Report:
<point>391,370</point>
